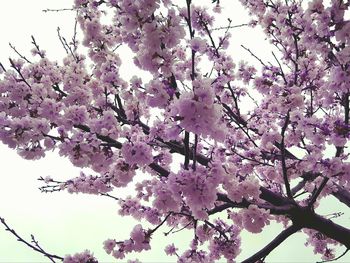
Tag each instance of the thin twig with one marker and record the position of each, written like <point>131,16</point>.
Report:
<point>217,229</point>
<point>2,66</point>
<point>38,249</point>
<point>74,38</point>
<point>61,40</point>
<point>335,259</point>
<point>251,53</point>
<point>114,49</point>
<point>38,246</point>
<point>70,49</point>
<point>182,228</point>
<point>57,10</point>
<point>19,54</point>
<point>155,229</point>
<point>280,66</point>
<point>13,65</point>
<point>111,196</point>
<point>229,27</point>
<point>40,53</point>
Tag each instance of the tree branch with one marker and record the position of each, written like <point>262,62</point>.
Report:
<point>283,154</point>
<point>273,244</point>
<point>38,248</point>
<point>187,149</point>
<point>318,192</point>
<point>255,56</point>
<point>305,217</point>
<point>335,259</point>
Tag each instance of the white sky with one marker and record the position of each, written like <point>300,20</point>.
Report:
<point>65,223</point>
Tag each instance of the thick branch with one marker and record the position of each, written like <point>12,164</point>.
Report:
<point>187,149</point>
<point>273,244</point>
<point>283,154</point>
<point>195,152</point>
<point>308,219</point>
<point>104,138</point>
<point>318,192</point>
<point>342,195</point>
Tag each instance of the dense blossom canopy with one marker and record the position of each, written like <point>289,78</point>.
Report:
<point>220,151</point>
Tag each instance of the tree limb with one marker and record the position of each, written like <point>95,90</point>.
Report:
<point>273,244</point>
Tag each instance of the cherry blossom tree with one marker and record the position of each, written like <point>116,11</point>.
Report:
<point>215,151</point>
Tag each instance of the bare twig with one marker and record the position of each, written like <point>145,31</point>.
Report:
<point>61,40</point>
<point>70,49</point>
<point>255,56</point>
<point>36,247</point>
<point>74,38</point>
<point>229,27</point>
<point>111,196</point>
<point>19,54</point>
<point>334,215</point>
<point>2,67</point>
<point>155,229</point>
<point>57,10</point>
<point>40,53</point>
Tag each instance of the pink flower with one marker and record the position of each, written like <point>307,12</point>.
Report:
<point>170,250</point>
<point>109,245</point>
<point>138,153</point>
<point>197,44</point>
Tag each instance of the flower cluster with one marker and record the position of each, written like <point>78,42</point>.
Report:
<point>88,184</point>
<point>106,124</point>
<point>321,244</point>
<point>133,207</point>
<point>139,241</point>
<point>198,113</point>
<point>138,153</point>
<point>121,173</point>
<point>198,188</point>
<point>85,150</point>
<point>86,257</point>
<point>252,219</point>
<point>170,250</point>
<point>238,190</point>
<point>227,243</point>
<point>157,94</point>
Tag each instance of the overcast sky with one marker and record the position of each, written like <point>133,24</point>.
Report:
<point>65,223</point>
